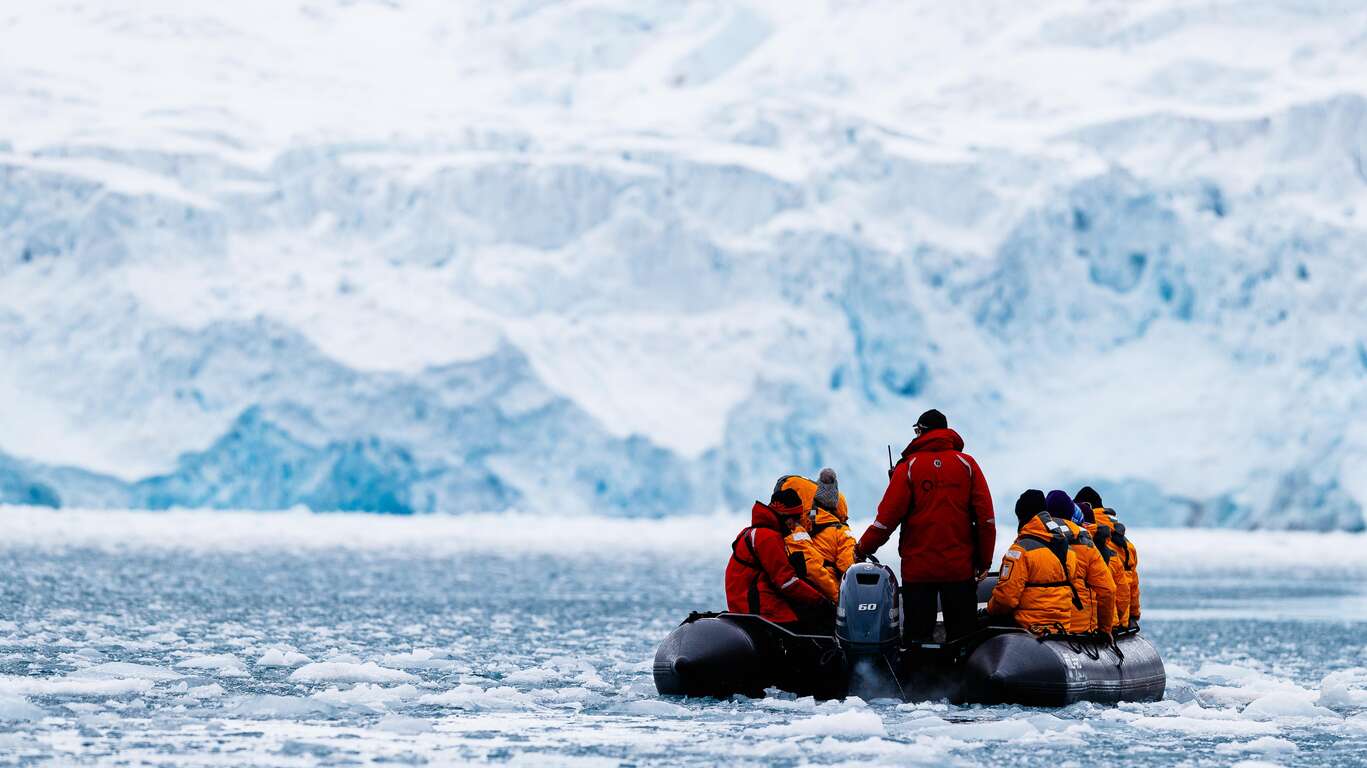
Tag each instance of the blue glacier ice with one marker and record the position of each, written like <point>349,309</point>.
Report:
<point>641,259</point>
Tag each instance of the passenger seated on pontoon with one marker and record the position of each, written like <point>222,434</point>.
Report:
<point>1035,588</point>
<point>759,577</point>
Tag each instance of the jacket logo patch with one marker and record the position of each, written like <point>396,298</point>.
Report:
<point>1006,570</point>
<point>1014,554</point>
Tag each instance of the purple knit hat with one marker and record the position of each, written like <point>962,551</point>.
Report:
<point>1060,505</point>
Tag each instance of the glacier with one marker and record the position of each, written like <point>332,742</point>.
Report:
<point>641,258</point>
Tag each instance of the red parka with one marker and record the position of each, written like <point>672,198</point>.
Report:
<point>937,494</point>
<point>759,578</point>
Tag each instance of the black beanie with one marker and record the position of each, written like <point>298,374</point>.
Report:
<point>1089,495</point>
<point>932,419</point>
<point>1029,504</point>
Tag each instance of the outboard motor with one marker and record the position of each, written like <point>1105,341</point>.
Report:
<point>868,627</point>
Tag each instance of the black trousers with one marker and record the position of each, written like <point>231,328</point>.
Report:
<point>958,600</point>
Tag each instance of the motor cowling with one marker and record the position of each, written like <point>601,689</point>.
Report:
<point>869,616</point>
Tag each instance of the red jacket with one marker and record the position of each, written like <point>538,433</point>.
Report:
<point>759,578</point>
<point>933,493</point>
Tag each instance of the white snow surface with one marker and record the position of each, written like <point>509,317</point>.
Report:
<point>643,258</point>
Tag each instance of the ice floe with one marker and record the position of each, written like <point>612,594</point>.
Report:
<point>349,672</point>
<point>222,664</point>
<point>16,707</point>
<point>278,657</point>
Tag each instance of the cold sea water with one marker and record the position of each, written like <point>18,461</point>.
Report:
<point>137,639</point>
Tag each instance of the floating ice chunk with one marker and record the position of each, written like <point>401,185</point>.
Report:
<point>474,697</point>
<point>127,670</point>
<point>278,657</point>
<point>401,724</point>
<point>1228,673</point>
<point>573,695</point>
<point>72,686</point>
<point>419,658</point>
<point>1344,688</point>
<point>200,692</point>
<point>1196,726</point>
<point>268,705</point>
<point>652,708</point>
<point>534,676</point>
<point>1285,704</point>
<point>854,722</point>
<point>348,672</point>
<point>984,730</point>
<point>1263,744</point>
<point>367,695</point>
<point>560,668</point>
<point>882,748</point>
<point>225,664</point>
<point>804,704</point>
<point>919,723</point>
<point>16,707</point>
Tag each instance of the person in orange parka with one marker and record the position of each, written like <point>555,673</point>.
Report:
<point>1121,544</point>
<point>823,548</point>
<point>832,541</point>
<point>1093,580</point>
<point>1099,525</point>
<point>1100,531</point>
<point>1035,586</point>
<point>803,550</point>
<point>759,577</point>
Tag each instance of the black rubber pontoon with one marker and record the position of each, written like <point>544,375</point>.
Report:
<point>720,654</point>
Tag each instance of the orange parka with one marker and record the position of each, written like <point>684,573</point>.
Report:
<point>1094,583</point>
<point>1102,531</point>
<point>832,548</point>
<point>1035,584</point>
<point>824,541</point>
<point>1129,559</point>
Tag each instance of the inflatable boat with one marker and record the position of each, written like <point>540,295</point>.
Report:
<point>721,654</point>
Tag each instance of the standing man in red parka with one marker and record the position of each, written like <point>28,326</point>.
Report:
<point>939,496</point>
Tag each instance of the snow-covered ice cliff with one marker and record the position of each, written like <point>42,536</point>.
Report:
<point>641,258</point>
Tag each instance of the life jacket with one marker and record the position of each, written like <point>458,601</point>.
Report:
<point>1058,543</point>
